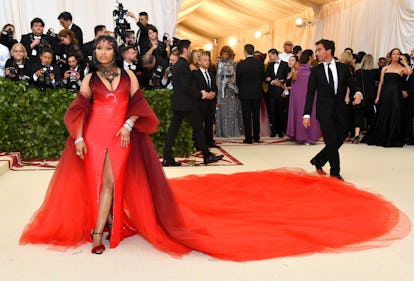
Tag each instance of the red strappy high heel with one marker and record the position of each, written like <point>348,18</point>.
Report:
<point>99,249</point>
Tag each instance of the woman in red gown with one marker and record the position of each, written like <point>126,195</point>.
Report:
<point>112,173</point>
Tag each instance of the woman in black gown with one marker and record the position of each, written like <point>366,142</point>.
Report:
<point>386,129</point>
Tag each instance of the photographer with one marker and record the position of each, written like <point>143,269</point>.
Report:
<point>73,76</point>
<point>129,40</point>
<point>154,69</point>
<point>36,40</point>
<point>18,66</point>
<point>130,61</point>
<point>65,20</point>
<point>142,33</point>
<point>154,46</point>
<point>46,74</point>
<point>7,36</point>
<point>68,45</point>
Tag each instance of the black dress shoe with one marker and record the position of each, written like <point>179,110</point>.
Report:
<point>212,158</point>
<point>248,141</point>
<point>281,135</point>
<point>318,167</point>
<point>170,163</point>
<point>338,176</point>
<point>272,135</point>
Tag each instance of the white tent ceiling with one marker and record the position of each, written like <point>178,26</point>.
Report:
<point>203,20</point>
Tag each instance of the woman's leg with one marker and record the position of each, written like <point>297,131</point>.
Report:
<point>105,201</point>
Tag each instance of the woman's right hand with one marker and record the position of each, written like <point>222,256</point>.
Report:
<point>80,149</point>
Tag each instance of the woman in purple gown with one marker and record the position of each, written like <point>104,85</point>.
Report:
<point>295,130</point>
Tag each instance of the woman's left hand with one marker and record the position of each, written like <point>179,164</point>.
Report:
<point>125,136</point>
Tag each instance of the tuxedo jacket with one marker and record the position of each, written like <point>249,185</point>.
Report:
<point>201,84</point>
<point>328,103</point>
<point>55,69</point>
<point>186,96</point>
<point>27,39</point>
<point>87,49</point>
<point>409,84</point>
<point>249,77</point>
<point>282,73</point>
<point>78,33</point>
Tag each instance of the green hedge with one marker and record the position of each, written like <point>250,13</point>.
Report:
<point>31,120</point>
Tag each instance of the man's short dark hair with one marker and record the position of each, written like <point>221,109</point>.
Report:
<point>183,44</point>
<point>249,48</point>
<point>382,58</point>
<point>37,20</point>
<point>349,49</point>
<point>328,45</point>
<point>99,28</point>
<point>65,16</point>
<point>46,50</point>
<point>143,14</point>
<point>273,51</point>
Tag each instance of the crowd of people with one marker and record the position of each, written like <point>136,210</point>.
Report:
<point>275,109</point>
<point>56,60</point>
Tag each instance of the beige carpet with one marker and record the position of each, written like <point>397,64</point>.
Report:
<point>386,171</point>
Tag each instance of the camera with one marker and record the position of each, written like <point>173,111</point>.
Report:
<point>51,32</point>
<point>121,25</point>
<point>8,33</point>
<point>13,70</point>
<point>73,81</point>
<point>44,79</point>
<point>156,77</point>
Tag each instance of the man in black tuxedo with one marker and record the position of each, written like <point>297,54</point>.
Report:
<point>185,104</point>
<point>142,33</point>
<point>36,40</point>
<point>275,76</point>
<point>249,77</point>
<point>204,81</point>
<point>331,79</point>
<point>45,73</point>
<point>408,105</point>
<point>65,20</point>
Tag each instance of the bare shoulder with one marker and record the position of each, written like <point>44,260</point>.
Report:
<point>84,88</point>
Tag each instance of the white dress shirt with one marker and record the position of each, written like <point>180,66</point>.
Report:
<point>4,56</point>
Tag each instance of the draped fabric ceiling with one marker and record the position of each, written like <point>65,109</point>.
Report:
<point>212,21</point>
<point>373,26</point>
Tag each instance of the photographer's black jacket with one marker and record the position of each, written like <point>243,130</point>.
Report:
<point>53,68</point>
<point>26,70</point>
<point>27,39</point>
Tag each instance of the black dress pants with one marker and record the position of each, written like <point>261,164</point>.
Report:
<point>194,118</point>
<point>251,113</point>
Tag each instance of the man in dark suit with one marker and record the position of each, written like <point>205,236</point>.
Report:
<point>408,105</point>
<point>89,47</point>
<point>331,80</point>
<point>249,77</point>
<point>45,73</point>
<point>36,40</point>
<point>276,75</point>
<point>185,104</point>
<point>204,81</point>
<point>65,20</point>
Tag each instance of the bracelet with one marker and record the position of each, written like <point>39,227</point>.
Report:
<point>78,140</point>
<point>129,122</point>
<point>126,126</point>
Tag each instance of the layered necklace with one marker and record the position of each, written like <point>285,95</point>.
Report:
<point>108,72</point>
